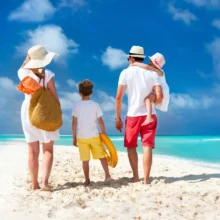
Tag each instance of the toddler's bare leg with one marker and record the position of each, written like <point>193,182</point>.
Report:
<point>86,172</point>
<point>105,168</point>
<point>148,102</point>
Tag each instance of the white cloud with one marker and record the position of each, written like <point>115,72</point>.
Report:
<point>72,83</point>
<point>214,49</point>
<point>182,14</point>
<point>186,101</point>
<point>114,58</point>
<point>7,91</point>
<point>53,38</point>
<point>107,102</point>
<point>186,111</point>
<point>67,99</point>
<point>216,23</point>
<point>205,3</point>
<point>7,84</point>
<point>10,105</point>
<point>74,4</point>
<point>33,11</point>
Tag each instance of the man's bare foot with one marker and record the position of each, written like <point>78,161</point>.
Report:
<point>147,121</point>
<point>135,179</point>
<point>87,182</point>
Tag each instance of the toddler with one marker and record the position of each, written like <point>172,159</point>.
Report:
<point>156,63</point>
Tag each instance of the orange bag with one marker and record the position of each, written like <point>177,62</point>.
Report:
<point>28,86</point>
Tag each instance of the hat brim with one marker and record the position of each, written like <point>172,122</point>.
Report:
<point>138,56</point>
<point>155,63</point>
<point>40,63</point>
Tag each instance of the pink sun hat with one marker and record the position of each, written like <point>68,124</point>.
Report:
<point>158,60</point>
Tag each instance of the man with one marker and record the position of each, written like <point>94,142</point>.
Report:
<point>139,83</point>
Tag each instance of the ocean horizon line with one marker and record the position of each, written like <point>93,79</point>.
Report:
<point>179,135</point>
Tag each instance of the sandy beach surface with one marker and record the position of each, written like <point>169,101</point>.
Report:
<point>179,189</point>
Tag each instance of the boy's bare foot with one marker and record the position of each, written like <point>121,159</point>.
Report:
<point>35,186</point>
<point>87,182</point>
<point>147,121</point>
<point>108,179</point>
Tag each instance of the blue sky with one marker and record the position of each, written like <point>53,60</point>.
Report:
<point>92,38</point>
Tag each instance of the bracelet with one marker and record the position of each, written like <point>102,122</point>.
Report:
<point>118,119</point>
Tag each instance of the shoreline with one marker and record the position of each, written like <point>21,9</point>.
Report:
<point>202,163</point>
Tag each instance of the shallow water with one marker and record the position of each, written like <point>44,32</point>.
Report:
<point>198,148</point>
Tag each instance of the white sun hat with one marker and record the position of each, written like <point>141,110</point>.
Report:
<point>136,51</point>
<point>40,57</point>
<point>158,60</point>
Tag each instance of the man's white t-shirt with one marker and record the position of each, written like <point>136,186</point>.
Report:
<point>87,112</point>
<point>139,83</point>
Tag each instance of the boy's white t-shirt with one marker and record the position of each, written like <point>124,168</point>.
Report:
<point>87,112</point>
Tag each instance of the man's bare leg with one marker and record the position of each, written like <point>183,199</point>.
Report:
<point>147,162</point>
<point>148,103</point>
<point>33,163</point>
<point>133,159</point>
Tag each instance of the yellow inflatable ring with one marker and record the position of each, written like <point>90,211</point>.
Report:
<point>112,156</point>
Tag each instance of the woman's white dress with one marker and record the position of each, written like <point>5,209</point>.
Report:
<point>31,133</point>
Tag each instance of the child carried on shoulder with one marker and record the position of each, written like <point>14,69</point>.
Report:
<point>156,63</point>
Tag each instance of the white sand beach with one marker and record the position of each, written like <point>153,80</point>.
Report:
<point>179,189</point>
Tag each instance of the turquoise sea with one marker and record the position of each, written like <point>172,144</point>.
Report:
<point>197,148</point>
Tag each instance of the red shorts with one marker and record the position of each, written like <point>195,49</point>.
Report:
<point>133,128</point>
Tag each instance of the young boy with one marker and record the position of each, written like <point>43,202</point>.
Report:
<point>156,63</point>
<point>86,113</point>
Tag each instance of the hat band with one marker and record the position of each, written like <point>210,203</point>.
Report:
<point>136,54</point>
<point>157,63</point>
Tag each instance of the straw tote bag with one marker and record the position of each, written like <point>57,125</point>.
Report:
<point>44,110</point>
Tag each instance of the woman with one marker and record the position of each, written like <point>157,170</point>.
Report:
<point>37,59</point>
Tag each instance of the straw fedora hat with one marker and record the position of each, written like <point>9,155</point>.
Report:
<point>40,57</point>
<point>136,51</point>
<point>158,60</point>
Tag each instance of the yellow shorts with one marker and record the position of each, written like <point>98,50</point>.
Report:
<point>94,145</point>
